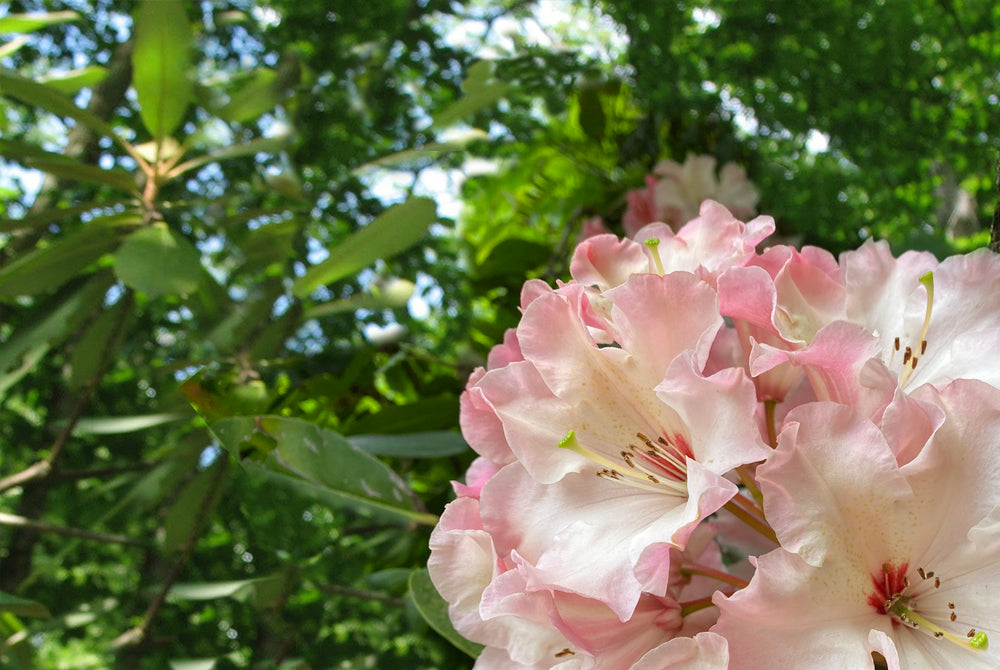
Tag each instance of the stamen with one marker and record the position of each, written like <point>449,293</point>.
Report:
<point>653,244</point>
<point>655,469</point>
<point>910,360</point>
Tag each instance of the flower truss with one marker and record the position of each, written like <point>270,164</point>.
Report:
<point>697,455</point>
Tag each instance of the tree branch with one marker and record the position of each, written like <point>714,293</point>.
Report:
<point>23,522</point>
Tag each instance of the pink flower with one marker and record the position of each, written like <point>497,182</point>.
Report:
<point>707,246</point>
<point>674,193</point>
<point>897,313</point>
<point>497,599</point>
<point>877,556</point>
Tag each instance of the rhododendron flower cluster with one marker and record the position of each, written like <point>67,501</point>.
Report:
<point>697,455</point>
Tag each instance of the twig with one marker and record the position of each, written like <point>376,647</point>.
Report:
<point>41,526</point>
<point>136,635</point>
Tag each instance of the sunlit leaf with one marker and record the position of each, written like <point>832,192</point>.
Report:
<point>160,61</point>
<point>394,231</point>
<point>434,609</point>
<point>116,425</point>
<point>481,91</point>
<point>71,81</point>
<point>326,463</point>
<point>26,23</point>
<point>159,262</point>
<point>262,590</point>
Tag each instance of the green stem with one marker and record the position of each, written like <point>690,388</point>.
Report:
<point>749,519</point>
<point>693,606</point>
<point>690,570</point>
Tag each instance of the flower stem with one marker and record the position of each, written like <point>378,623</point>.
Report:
<point>693,606</point>
<point>751,520</point>
<point>746,478</point>
<point>772,433</point>
<point>689,570</point>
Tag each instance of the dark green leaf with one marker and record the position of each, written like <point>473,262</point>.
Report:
<point>159,262</point>
<point>97,343</point>
<point>49,267</point>
<point>21,607</point>
<point>160,62</point>
<point>427,414</point>
<point>413,445</point>
<point>434,609</point>
<point>334,470</point>
<point>54,326</point>
<point>188,508</point>
<point>394,231</point>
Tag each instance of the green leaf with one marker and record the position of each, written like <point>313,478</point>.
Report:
<point>434,609</point>
<point>50,329</point>
<point>21,607</point>
<point>480,92</point>
<point>263,145</point>
<point>26,23</point>
<point>50,266</point>
<point>159,262</point>
<point>333,470</point>
<point>116,425</point>
<point>13,46</point>
<point>181,521</point>
<point>160,62</point>
<point>71,81</point>
<point>261,93</point>
<point>431,444</point>
<point>394,231</point>
<point>262,590</point>
<point>96,344</point>
<point>115,177</point>
<point>427,414</point>
<point>55,214</point>
<point>193,664</point>
<point>390,295</point>
<point>31,92</point>
<point>34,157</point>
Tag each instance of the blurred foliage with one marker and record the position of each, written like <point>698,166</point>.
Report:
<point>234,328</point>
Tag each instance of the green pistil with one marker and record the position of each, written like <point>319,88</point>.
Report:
<point>976,641</point>
<point>654,246</point>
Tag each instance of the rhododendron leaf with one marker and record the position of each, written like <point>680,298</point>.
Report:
<point>392,232</point>
<point>160,61</point>
<point>319,462</point>
<point>434,609</point>
<point>159,262</point>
